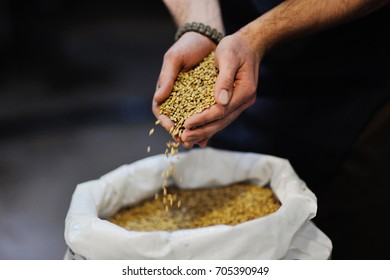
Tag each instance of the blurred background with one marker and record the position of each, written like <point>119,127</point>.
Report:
<point>76,84</point>
<point>76,87</point>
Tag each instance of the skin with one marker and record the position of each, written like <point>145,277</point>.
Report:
<point>239,55</point>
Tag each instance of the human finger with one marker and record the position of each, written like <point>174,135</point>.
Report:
<point>198,134</point>
<point>169,70</point>
<point>227,64</point>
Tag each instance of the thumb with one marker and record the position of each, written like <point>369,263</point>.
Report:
<point>224,84</point>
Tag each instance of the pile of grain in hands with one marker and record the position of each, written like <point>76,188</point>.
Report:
<point>193,92</point>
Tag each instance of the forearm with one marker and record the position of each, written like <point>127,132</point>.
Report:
<point>204,11</point>
<point>295,18</point>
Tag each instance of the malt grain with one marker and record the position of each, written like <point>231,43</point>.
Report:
<point>229,205</point>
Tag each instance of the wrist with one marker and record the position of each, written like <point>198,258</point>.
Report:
<point>207,31</point>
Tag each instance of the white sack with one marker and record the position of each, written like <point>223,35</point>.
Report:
<point>285,234</point>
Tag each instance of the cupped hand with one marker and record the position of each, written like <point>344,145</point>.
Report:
<point>235,90</point>
<point>184,55</point>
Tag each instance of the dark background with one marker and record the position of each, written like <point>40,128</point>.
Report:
<point>76,84</point>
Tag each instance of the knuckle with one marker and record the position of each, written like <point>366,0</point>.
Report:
<point>252,101</point>
<point>252,88</point>
<point>222,112</point>
<point>168,56</point>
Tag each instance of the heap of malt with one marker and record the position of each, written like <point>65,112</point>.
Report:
<point>229,205</point>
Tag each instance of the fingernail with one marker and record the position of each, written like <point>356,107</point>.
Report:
<point>187,145</point>
<point>224,97</point>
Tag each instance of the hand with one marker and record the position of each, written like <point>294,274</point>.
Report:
<point>184,55</point>
<point>235,89</point>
